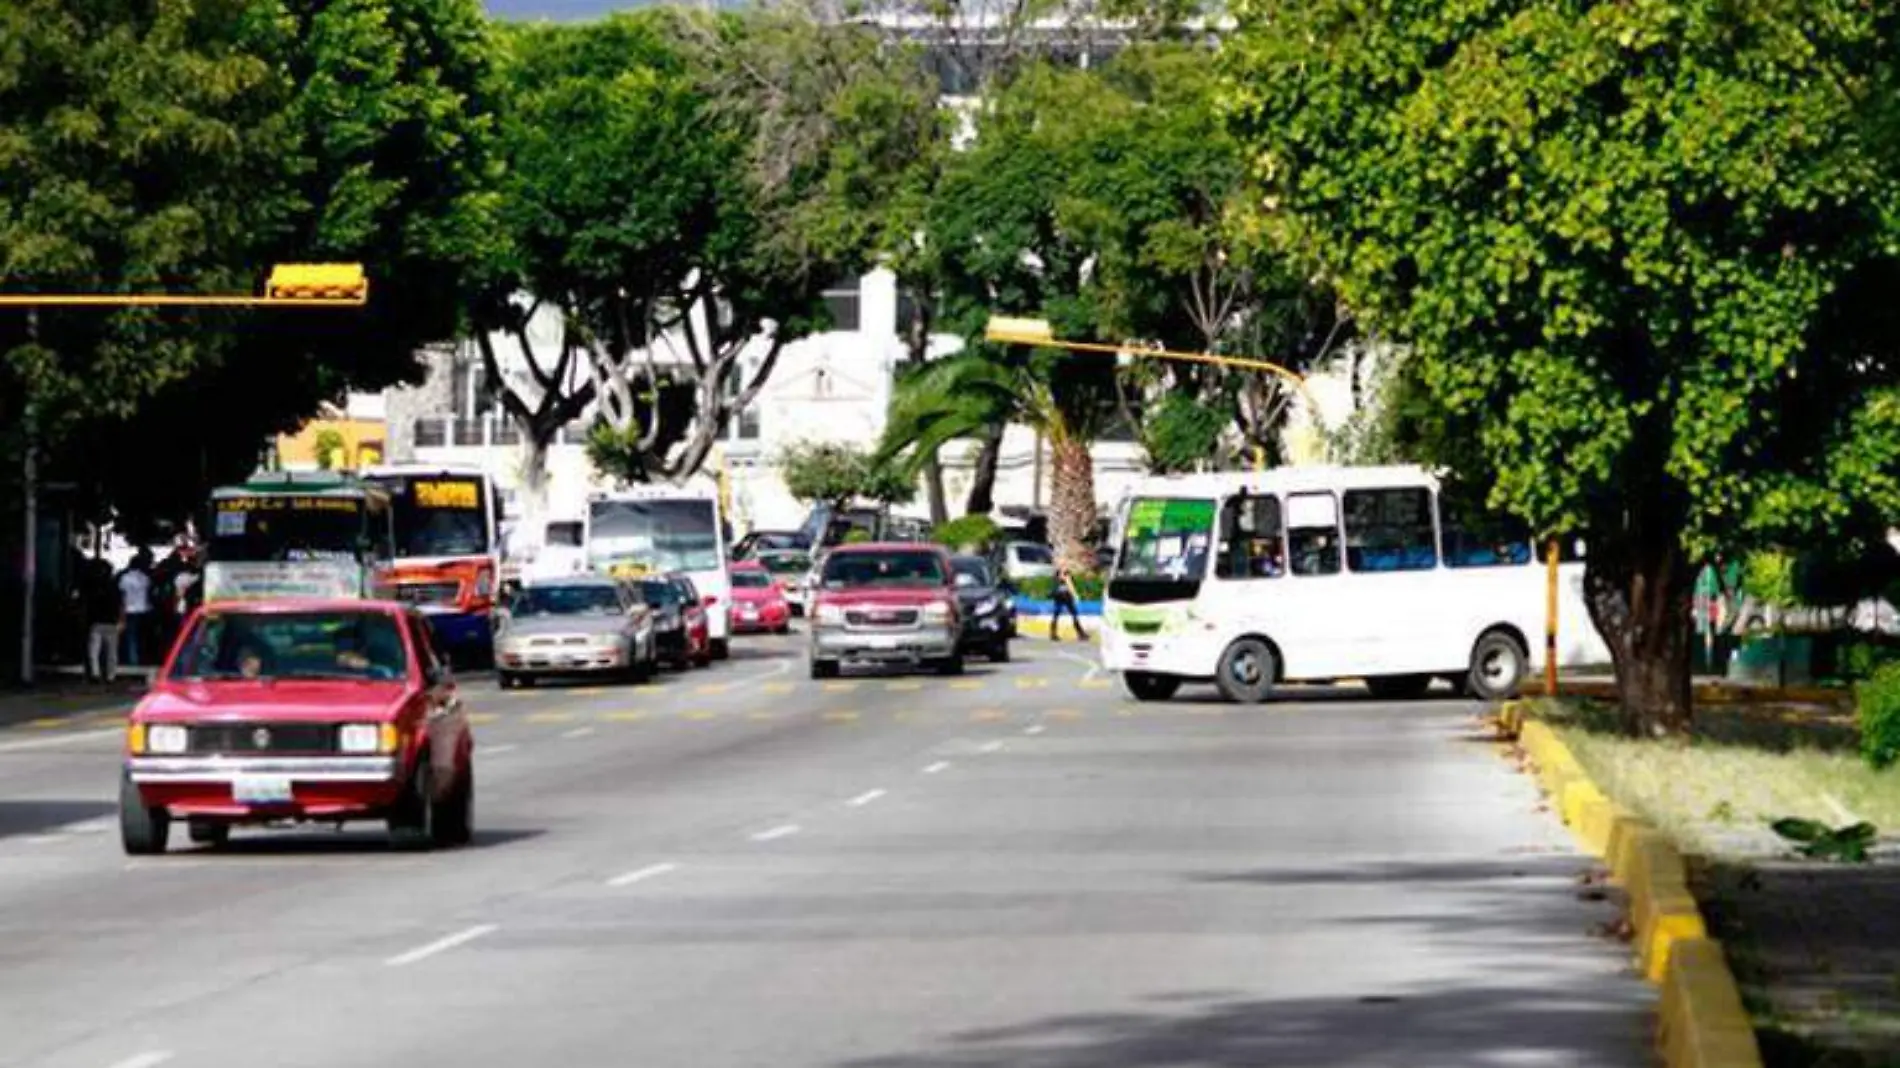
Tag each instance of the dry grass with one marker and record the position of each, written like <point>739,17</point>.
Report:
<point>1746,767</point>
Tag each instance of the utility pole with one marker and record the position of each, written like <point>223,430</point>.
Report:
<point>29,491</point>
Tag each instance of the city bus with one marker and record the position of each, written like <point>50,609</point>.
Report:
<point>318,535</point>
<point>1249,580</point>
<point>448,550</point>
<point>661,529</point>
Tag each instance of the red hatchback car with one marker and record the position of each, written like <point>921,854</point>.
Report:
<point>329,711</point>
<point>758,601</point>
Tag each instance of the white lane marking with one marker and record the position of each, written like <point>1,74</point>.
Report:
<point>151,1058</point>
<point>39,839</point>
<point>491,750</point>
<point>440,945</point>
<point>98,826</point>
<point>62,739</point>
<point>578,732</point>
<point>991,747</point>
<point>937,767</point>
<point>642,874</point>
<point>1094,666</point>
<point>865,798</point>
<point>1036,729</point>
<point>783,830</point>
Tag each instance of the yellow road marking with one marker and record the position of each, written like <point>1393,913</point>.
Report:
<point>712,688</point>
<point>761,715</point>
<point>1124,711</point>
<point>588,691</point>
<point>967,684</point>
<point>904,684</point>
<point>988,714</point>
<point>482,717</point>
<point>1096,684</point>
<point>840,687</point>
<point>48,721</point>
<point>626,716</point>
<point>1064,713</point>
<point>699,714</point>
<point>107,719</point>
<point>1033,683</point>
<point>840,717</point>
<point>778,687</point>
<point>550,717</point>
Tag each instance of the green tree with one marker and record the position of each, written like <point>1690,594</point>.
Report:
<point>681,184</point>
<point>1644,255</point>
<point>839,475</point>
<point>356,132</point>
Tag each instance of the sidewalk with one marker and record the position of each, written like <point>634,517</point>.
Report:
<point>61,693</point>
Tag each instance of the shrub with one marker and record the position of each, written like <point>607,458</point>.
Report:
<point>1879,700</point>
<point>1861,659</point>
<point>1088,587</point>
<point>966,532</point>
<point>857,536</point>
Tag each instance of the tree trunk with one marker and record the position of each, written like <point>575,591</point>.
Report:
<point>534,485</point>
<point>982,498</point>
<point>1072,503</point>
<point>917,349</point>
<point>933,489</point>
<point>1640,592</point>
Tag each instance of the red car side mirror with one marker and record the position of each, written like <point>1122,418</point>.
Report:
<point>709,600</point>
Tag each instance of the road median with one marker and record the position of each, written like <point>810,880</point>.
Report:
<point>1701,1021</point>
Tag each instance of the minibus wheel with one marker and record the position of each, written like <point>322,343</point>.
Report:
<point>1498,665</point>
<point>1247,671</point>
<point>1149,686</point>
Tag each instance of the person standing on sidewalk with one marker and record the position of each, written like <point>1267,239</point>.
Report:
<point>1065,597</point>
<point>135,594</point>
<point>105,619</point>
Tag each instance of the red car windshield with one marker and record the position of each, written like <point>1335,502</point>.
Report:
<point>751,580</point>
<point>293,645</point>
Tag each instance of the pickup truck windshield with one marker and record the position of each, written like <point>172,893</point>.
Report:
<point>844,570</point>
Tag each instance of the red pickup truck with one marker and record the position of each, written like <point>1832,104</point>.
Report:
<point>886,603</point>
<point>299,710</point>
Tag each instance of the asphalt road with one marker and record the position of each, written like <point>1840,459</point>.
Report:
<point>741,867</point>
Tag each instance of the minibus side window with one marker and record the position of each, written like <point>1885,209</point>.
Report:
<point>1252,541</point>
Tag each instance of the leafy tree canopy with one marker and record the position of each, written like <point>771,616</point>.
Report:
<point>1643,252</point>
<point>838,474</point>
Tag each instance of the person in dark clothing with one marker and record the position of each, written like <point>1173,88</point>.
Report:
<point>105,615</point>
<point>1065,597</point>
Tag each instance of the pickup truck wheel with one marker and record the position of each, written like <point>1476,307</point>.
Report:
<point>951,665</point>
<point>209,833</point>
<point>999,652</point>
<point>143,831</point>
<point>412,825</point>
<point>507,680</point>
<point>721,649</point>
<point>455,816</point>
<point>824,669</point>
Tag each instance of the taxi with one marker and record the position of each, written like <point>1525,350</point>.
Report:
<point>299,711</point>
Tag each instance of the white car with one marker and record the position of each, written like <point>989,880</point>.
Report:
<point>1019,560</point>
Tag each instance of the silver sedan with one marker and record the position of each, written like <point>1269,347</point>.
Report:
<point>579,625</point>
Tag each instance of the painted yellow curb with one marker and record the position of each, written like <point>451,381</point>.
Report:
<point>1701,1022</point>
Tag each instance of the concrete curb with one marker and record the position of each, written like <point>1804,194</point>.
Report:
<point>1701,1022</point>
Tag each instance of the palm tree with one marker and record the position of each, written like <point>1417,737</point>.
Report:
<point>972,395</point>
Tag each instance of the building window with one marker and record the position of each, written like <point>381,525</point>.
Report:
<point>842,300</point>
<point>1253,543</point>
<point>1312,522</point>
<point>1390,530</point>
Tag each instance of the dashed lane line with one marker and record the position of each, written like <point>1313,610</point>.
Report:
<point>967,684</point>
<point>441,945</point>
<point>903,685</point>
<point>550,717</point>
<point>641,875</point>
<point>629,715</point>
<point>783,830</point>
<point>840,716</point>
<point>988,715</point>
<point>937,767</point>
<point>1034,728</point>
<point>578,732</point>
<point>151,1058</point>
<point>990,747</point>
<point>865,798</point>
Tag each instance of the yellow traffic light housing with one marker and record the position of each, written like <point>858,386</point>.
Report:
<point>1002,328</point>
<point>343,283</point>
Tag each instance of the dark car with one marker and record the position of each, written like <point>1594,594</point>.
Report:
<point>989,613</point>
<point>759,541</point>
<point>678,622</point>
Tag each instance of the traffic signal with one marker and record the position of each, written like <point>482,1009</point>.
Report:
<point>343,283</point>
